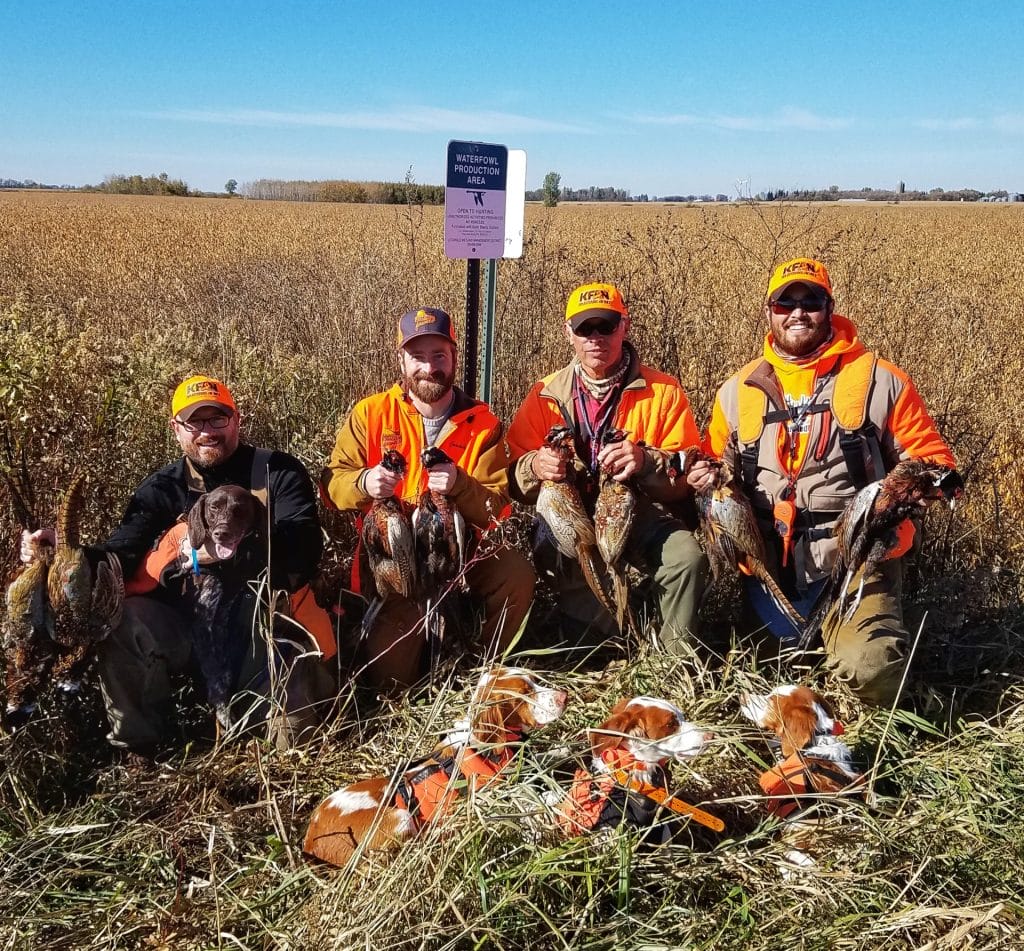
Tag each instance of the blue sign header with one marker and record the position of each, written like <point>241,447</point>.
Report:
<point>477,165</point>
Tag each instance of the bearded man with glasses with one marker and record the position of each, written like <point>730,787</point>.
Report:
<point>137,660</point>
<point>606,388</point>
<point>805,427</point>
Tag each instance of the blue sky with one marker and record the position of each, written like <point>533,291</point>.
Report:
<point>654,97</point>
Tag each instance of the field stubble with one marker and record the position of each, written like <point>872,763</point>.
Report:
<point>105,303</point>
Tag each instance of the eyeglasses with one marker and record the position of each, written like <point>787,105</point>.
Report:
<point>220,421</point>
<point>605,327</point>
<point>808,305</point>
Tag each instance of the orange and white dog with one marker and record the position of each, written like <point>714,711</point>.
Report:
<point>627,780</point>
<point>816,766</point>
<point>508,703</point>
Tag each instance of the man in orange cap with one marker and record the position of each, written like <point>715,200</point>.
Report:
<point>805,426</point>
<point>606,388</point>
<point>153,640</point>
<point>426,410</point>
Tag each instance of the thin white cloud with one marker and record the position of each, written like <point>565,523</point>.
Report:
<point>787,118</point>
<point>416,119</point>
<point>1008,124</point>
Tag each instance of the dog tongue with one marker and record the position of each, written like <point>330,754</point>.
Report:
<point>223,552</point>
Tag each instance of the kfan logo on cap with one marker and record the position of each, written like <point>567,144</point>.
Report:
<point>202,388</point>
<point>423,318</point>
<point>801,267</point>
<point>597,295</point>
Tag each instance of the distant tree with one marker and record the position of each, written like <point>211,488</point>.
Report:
<point>550,189</point>
<point>231,186</point>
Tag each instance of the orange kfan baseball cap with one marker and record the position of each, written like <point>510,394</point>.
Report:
<point>804,270</point>
<point>199,391</point>
<point>594,300</point>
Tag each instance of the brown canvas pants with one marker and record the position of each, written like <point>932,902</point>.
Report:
<point>137,660</point>
<point>501,586</point>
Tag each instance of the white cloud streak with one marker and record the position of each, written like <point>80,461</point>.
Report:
<point>788,118</point>
<point>1007,124</point>
<point>423,119</point>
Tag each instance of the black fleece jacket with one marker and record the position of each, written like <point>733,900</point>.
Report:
<point>296,541</point>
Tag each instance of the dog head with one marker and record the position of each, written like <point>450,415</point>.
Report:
<point>223,518</point>
<point>647,731</point>
<point>509,702</point>
<point>798,716</point>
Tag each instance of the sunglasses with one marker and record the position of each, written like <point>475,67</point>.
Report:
<point>605,327</point>
<point>808,305</point>
<point>220,421</point>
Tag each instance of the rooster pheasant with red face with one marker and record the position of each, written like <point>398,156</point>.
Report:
<point>565,518</point>
<point>866,532</point>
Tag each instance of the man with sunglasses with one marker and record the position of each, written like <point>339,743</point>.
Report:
<point>606,387</point>
<point>153,641</point>
<point>805,426</point>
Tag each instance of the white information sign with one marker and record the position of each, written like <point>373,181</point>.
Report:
<point>474,200</point>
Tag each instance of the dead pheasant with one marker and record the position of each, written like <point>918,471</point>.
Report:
<point>389,544</point>
<point>866,531</point>
<point>440,532</point>
<point>28,622</point>
<point>731,534</point>
<point>613,521</point>
<point>86,604</point>
<point>56,609</point>
<point>571,530</point>
<point>28,634</point>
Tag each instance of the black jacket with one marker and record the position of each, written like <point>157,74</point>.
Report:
<point>296,541</point>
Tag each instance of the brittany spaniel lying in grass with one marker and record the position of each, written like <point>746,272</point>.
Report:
<point>385,811</point>
<point>816,766</point>
<point>627,780</point>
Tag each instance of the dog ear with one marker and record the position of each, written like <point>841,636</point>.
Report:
<point>609,734</point>
<point>796,727</point>
<point>495,719</point>
<point>197,524</point>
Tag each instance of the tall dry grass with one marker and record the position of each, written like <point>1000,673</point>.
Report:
<point>105,303</point>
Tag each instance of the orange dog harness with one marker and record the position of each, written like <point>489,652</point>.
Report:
<point>795,783</point>
<point>431,790</point>
<point>609,798</point>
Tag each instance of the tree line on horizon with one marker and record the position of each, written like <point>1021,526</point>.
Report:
<point>411,192</point>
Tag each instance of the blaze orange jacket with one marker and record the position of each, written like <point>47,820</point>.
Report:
<point>472,437</point>
<point>653,408</point>
<point>844,387</point>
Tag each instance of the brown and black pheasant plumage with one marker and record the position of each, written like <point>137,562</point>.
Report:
<point>441,534</point>
<point>561,509</point>
<point>389,544</point>
<point>866,531</point>
<point>57,608</point>
<point>613,521</point>
<point>731,535</point>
